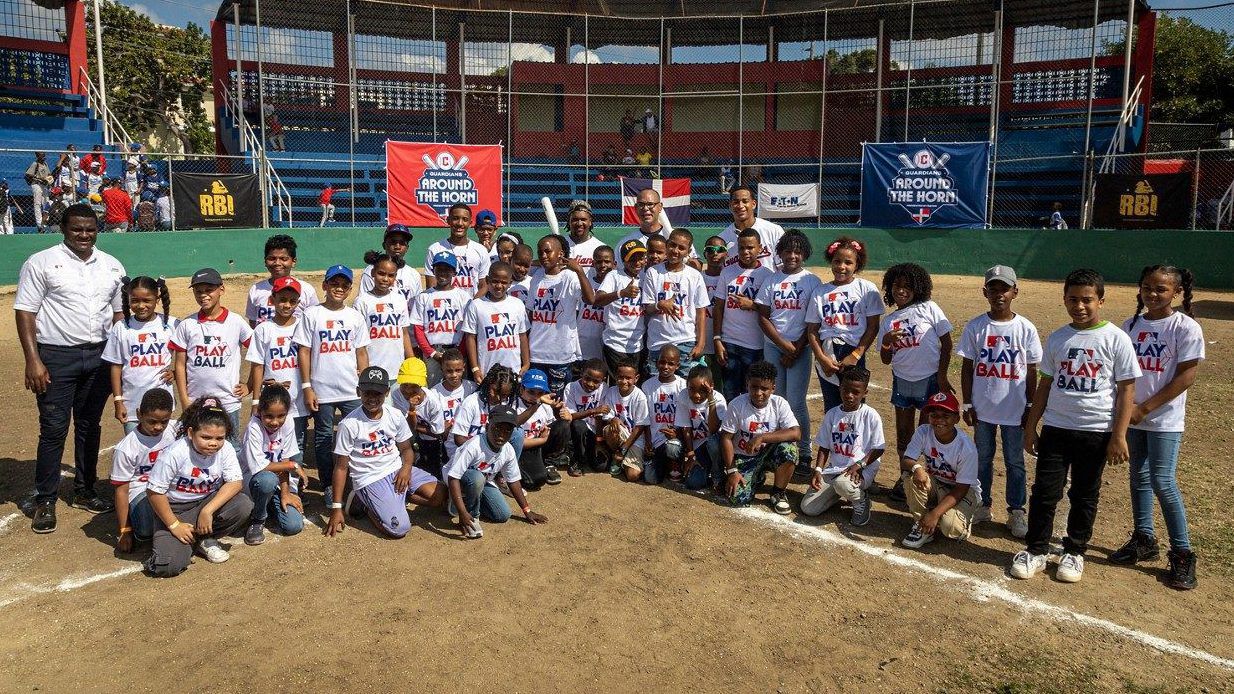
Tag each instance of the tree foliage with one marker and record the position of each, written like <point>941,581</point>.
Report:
<point>864,61</point>
<point>156,75</point>
<point>1193,72</point>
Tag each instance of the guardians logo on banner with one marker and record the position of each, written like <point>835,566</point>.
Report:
<point>925,184</point>
<point>425,179</point>
<point>922,186</point>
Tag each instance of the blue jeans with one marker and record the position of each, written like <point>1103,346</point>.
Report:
<point>236,432</point>
<point>264,489</point>
<point>482,500</point>
<point>707,471</point>
<point>1154,460</point>
<point>558,376</point>
<point>739,360</point>
<point>301,425</point>
<point>792,384</point>
<point>831,391</point>
<point>913,395</point>
<point>141,518</point>
<point>323,436</point>
<point>984,435</point>
<point>683,369</point>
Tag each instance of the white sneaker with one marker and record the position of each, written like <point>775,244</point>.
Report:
<point>982,514</point>
<point>1017,523</point>
<point>212,551</point>
<point>1070,568</point>
<point>473,531</point>
<point>1025,564</point>
<point>916,539</point>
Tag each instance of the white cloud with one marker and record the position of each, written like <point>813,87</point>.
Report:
<point>143,9</point>
<point>579,55</point>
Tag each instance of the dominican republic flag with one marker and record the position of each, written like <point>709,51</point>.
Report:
<point>674,193</point>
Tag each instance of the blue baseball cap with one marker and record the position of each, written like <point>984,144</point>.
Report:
<point>398,229</point>
<point>338,270</point>
<point>445,258</point>
<point>486,218</point>
<point>535,379</point>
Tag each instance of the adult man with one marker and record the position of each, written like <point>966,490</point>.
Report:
<point>327,207</point>
<point>119,207</point>
<point>38,176</point>
<point>648,208</point>
<point>742,204</point>
<point>68,296</point>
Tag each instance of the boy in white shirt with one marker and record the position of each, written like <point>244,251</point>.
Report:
<point>546,433</point>
<point>435,315</point>
<point>590,316</point>
<point>472,472</point>
<point>618,295</point>
<point>700,412</point>
<point>675,302</point>
<point>495,327</point>
<point>557,291</point>
<point>944,492</point>
<point>131,462</point>
<point>624,424</point>
<point>759,435</point>
<point>424,410</point>
<point>663,448</point>
<point>850,443</point>
<point>738,336</point>
<point>280,262</point>
<point>472,257</point>
<point>582,402</point>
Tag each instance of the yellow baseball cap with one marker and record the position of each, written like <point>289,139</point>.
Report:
<point>413,371</point>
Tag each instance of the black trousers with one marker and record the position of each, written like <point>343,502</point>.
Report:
<point>533,463</point>
<point>583,446</point>
<point>431,456</point>
<point>79,389</point>
<point>612,358</point>
<point>1059,451</point>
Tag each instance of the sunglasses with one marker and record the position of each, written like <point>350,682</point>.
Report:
<point>715,249</point>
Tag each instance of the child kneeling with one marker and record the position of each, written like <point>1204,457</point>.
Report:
<point>759,435</point>
<point>944,493</point>
<point>850,443</point>
<point>472,472</point>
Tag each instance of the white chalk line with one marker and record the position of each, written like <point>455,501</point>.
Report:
<point>7,520</point>
<point>982,590</point>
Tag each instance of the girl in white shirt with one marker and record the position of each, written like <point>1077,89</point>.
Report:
<point>131,462</point>
<point>842,321</point>
<point>274,476</point>
<point>137,347</point>
<point>385,313</point>
<point>557,290</point>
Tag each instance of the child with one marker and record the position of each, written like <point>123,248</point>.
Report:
<point>451,391</point>
<point>657,249</point>
<point>1169,345</point>
<point>661,393</point>
<point>274,358</point>
<point>738,337</point>
<point>506,243</point>
<point>624,424</point>
<point>583,243</point>
<point>436,314</point>
<point>915,339</point>
<point>545,434</point>
<point>473,469</point>
<point>944,493</point>
<point>423,408</point>
<point>499,389</point>
<point>486,229</point>
<point>1086,399</point>
<point>208,349</point>
<point>850,443</point>
<point>195,491</point>
<point>842,321</point>
<point>1001,351</point>
<point>495,327</point>
<point>715,252</point>
<point>700,410</point>
<point>137,346</point>
<point>624,329</point>
<point>373,448</point>
<point>131,462</point>
<point>280,262</point>
<point>782,302</point>
<point>520,263</point>
<point>407,281</point>
<point>582,402</point>
<point>675,301</point>
<point>472,257</point>
<point>590,316</point>
<point>333,347</point>
<point>270,467</point>
<point>557,291</point>
<point>385,312</point>
<point>759,435</point>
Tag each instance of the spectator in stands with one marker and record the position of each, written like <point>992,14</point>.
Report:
<point>162,209</point>
<point>137,152</point>
<point>726,177</point>
<point>574,153</point>
<point>644,158</point>
<point>628,124</point>
<point>151,182</point>
<point>73,161</point>
<point>7,203</point>
<point>132,181</point>
<point>96,204</point>
<point>754,174</point>
<point>55,210</point>
<point>609,158</point>
<point>38,176</point>
<point>119,208</point>
<point>62,177</point>
<point>327,207</point>
<point>94,162</point>
<point>628,160</point>
<point>274,132</point>
<point>651,127</point>
<point>1056,217</point>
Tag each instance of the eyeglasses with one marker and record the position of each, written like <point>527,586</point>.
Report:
<point>715,249</point>
<point>646,205</point>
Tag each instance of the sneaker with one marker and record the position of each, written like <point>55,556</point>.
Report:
<point>915,539</point>
<point>897,492</point>
<point>861,511</point>
<point>1017,523</point>
<point>574,470</point>
<point>212,551</point>
<point>474,531</point>
<point>1025,564</point>
<point>982,514</point>
<point>1070,568</point>
<point>779,502</point>
<point>1181,574</point>
<point>92,503</point>
<point>1139,547</point>
<point>352,507</point>
<point>256,534</point>
<point>802,473</point>
<point>44,520</point>
<point>615,469</point>
<point>554,477</point>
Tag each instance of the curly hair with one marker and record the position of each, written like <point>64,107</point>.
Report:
<point>204,411</point>
<point>761,369</point>
<point>794,239</point>
<point>855,373</point>
<point>915,277</point>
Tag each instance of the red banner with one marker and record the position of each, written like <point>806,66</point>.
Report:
<point>424,179</point>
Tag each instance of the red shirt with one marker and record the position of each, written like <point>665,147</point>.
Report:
<point>88,160</point>
<point>326,195</point>
<point>119,206</point>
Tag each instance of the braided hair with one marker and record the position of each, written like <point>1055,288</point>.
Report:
<point>158,286</point>
<point>497,378</point>
<point>1182,276</point>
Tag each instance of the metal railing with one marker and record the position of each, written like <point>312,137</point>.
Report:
<point>1225,208</point>
<point>256,148</point>
<point>112,127</point>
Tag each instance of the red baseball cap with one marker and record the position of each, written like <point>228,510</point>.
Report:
<point>285,283</point>
<point>942,401</point>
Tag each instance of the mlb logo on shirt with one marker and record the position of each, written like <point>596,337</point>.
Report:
<point>785,285</point>
<point>835,296</point>
<point>663,397</point>
<point>330,324</point>
<point>281,341</point>
<point>152,456</point>
<point>1080,352</point>
<point>753,427</point>
<point>495,318</point>
<point>996,340</point>
<point>372,436</point>
<point>668,286</point>
<point>1145,335</point>
<point>897,324</point>
<point>381,308</point>
<point>198,472</point>
<point>541,292</point>
<point>436,303</point>
<point>842,426</point>
<point>739,279</point>
<point>483,466</point>
<point>142,337</point>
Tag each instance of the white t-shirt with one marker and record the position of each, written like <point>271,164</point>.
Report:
<point>332,338</point>
<point>591,323</point>
<point>789,298</point>
<point>662,405</point>
<point>520,288</point>
<point>849,437</point>
<point>537,426</point>
<point>183,474</point>
<point>948,463</point>
<point>142,353</point>
<point>473,263</point>
<point>623,318</point>
<point>843,310</point>
<point>407,282</point>
<point>694,417</point>
<point>711,283</point>
<point>686,289</point>
<point>578,399</point>
<point>630,409</point>
<point>741,327</point>
<point>1001,352</point>
<point>497,326</point>
<point>1159,346</point>
<point>371,445</point>
<point>746,421</point>
<point>478,455</point>
<point>769,234</point>
<point>638,235</point>
<point>1085,367</point>
<point>470,418</point>
<point>274,347</point>
<point>431,411</point>
<point>259,307</point>
<point>386,318</point>
<point>584,252</point>
<point>916,354</point>
<point>439,314</point>
<point>552,304</point>
<point>134,457</point>
<point>261,448</point>
<point>450,402</point>
<point>213,351</point>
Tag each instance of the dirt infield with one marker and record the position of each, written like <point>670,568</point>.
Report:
<point>628,587</point>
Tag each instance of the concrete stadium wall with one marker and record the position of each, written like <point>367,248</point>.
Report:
<point>1034,253</point>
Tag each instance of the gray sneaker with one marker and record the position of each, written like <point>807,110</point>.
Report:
<point>861,511</point>
<point>256,534</point>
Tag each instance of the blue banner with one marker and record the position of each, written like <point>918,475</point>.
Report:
<point>925,184</point>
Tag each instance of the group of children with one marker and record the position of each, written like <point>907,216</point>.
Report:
<point>650,365</point>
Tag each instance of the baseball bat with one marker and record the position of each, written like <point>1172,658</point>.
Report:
<point>942,161</point>
<point>549,213</point>
<point>428,161</point>
<point>908,163</point>
<point>668,226</point>
<point>462,161</point>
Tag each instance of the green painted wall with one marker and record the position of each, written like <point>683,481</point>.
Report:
<point>1034,253</point>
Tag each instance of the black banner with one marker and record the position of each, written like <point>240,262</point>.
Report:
<point>216,201</point>
<point>1149,201</point>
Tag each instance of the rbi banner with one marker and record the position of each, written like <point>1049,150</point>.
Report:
<point>787,200</point>
<point>925,184</point>
<point>1150,201</point>
<point>216,201</point>
<point>424,179</point>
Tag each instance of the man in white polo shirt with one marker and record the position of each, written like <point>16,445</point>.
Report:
<point>68,296</point>
<point>742,205</point>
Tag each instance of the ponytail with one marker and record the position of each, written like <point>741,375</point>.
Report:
<point>164,299</point>
<point>1187,280</point>
<point>374,257</point>
<point>157,286</point>
<point>273,394</point>
<point>204,411</point>
<point>1184,277</point>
